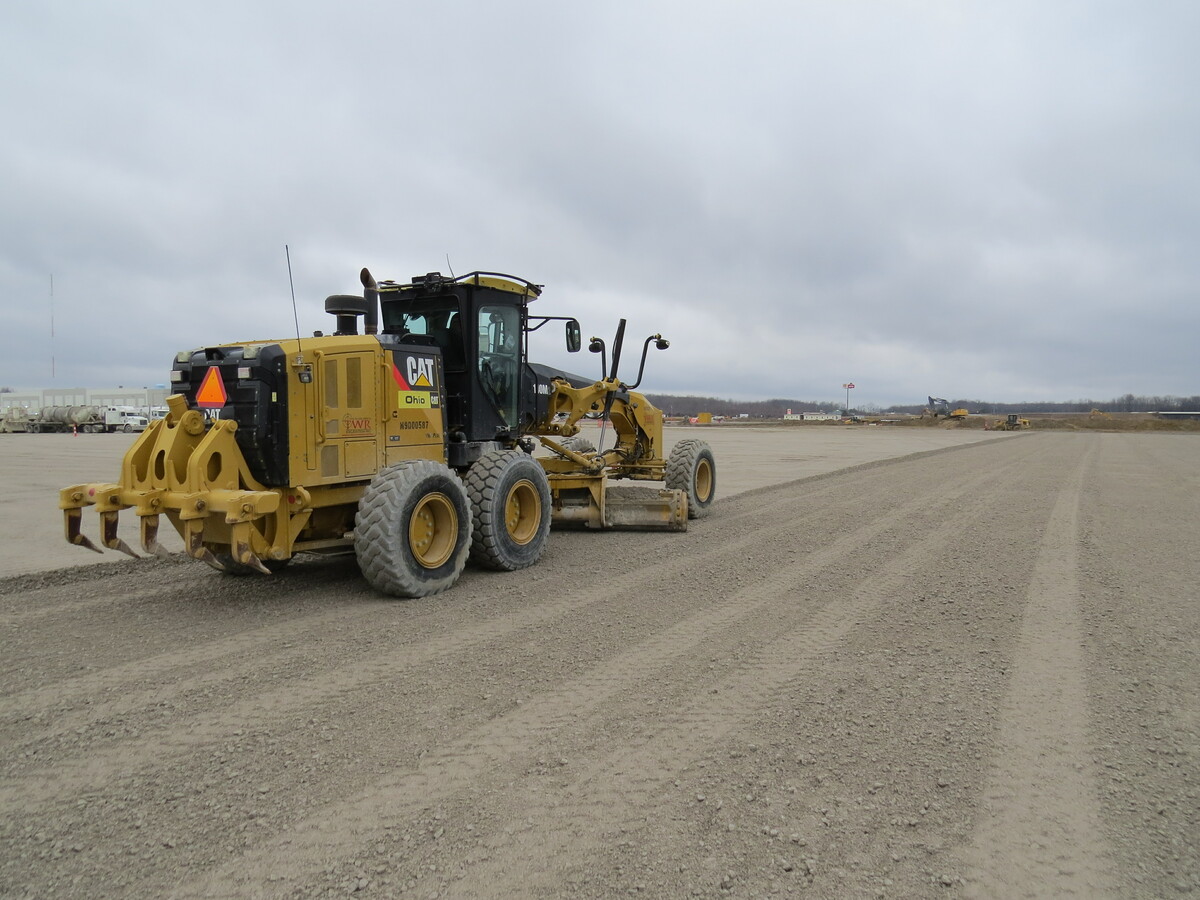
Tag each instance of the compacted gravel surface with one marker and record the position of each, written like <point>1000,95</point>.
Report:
<point>969,672</point>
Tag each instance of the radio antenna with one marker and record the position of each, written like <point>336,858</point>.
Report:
<point>292,285</point>
<point>448,266</point>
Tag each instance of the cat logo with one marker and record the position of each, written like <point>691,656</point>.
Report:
<point>420,371</point>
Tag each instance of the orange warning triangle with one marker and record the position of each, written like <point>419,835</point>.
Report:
<point>212,390</point>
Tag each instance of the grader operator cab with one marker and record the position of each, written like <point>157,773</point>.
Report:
<point>411,444</point>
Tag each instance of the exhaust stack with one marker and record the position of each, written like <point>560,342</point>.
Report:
<point>371,297</point>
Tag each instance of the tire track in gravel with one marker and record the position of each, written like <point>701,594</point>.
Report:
<point>1040,830</point>
<point>32,613</point>
<point>622,785</point>
<point>67,777</point>
<point>479,759</point>
<point>228,659</point>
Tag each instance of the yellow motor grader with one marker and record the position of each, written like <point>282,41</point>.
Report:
<point>411,443</point>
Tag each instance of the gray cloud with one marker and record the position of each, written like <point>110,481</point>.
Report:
<point>975,200</point>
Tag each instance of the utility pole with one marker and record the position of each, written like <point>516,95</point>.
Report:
<point>52,329</point>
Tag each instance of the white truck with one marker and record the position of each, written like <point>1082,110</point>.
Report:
<point>124,418</point>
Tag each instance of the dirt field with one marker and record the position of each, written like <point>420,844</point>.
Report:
<point>968,672</point>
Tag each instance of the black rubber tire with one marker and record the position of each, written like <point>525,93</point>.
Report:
<point>412,533</point>
<point>128,429</point>
<point>692,469</point>
<point>235,569</point>
<point>578,444</point>
<point>510,505</point>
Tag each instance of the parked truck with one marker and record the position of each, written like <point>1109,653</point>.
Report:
<point>80,419</point>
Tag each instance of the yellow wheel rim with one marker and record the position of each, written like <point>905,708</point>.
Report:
<point>523,512</point>
<point>704,481</point>
<point>433,530</point>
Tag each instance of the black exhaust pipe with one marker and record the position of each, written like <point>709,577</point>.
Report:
<point>617,344</point>
<point>371,296</point>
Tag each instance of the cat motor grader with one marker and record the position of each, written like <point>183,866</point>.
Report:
<point>411,444</point>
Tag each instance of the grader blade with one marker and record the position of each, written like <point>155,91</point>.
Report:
<point>587,500</point>
<point>651,510</point>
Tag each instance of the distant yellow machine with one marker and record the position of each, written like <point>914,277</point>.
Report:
<point>938,406</point>
<point>1012,423</point>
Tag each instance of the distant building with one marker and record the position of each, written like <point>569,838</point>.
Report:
<point>1181,414</point>
<point>142,398</point>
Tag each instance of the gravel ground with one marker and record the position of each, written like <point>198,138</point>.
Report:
<point>967,672</point>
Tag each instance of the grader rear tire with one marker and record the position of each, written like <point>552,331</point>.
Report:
<point>412,532</point>
<point>692,469</point>
<point>510,502</point>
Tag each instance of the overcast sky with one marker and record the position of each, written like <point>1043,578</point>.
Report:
<point>987,200</point>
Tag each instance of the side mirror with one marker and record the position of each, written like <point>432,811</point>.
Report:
<point>574,337</point>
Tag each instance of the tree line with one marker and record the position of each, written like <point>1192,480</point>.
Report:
<point>674,405</point>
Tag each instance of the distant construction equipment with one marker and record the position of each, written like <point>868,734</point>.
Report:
<point>939,406</point>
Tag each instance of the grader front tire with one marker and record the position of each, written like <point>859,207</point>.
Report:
<point>692,469</point>
<point>412,532</point>
<point>510,501</point>
<point>578,444</point>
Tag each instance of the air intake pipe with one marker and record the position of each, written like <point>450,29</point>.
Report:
<point>347,308</point>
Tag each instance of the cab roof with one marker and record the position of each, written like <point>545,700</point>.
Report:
<point>495,280</point>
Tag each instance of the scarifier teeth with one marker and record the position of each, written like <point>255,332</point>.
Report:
<point>73,519</point>
<point>150,542</point>
<point>108,534</point>
<point>255,563</point>
<point>196,548</point>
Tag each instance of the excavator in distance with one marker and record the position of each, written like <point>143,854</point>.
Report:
<point>411,444</point>
<point>939,406</point>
